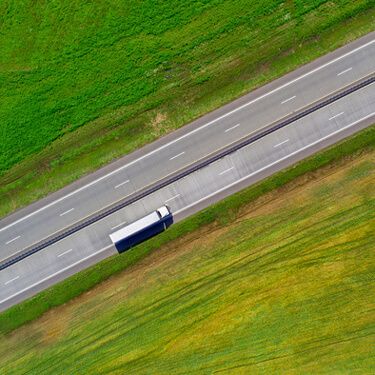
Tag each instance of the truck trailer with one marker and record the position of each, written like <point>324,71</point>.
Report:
<point>142,229</point>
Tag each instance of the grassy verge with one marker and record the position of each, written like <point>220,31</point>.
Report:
<point>222,213</point>
<point>283,287</point>
<point>84,84</point>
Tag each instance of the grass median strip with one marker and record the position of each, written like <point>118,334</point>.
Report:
<point>221,214</point>
<point>83,94</point>
<point>277,280</point>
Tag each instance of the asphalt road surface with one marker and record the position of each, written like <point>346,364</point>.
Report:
<point>215,131</point>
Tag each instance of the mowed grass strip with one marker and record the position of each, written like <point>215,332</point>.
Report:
<point>220,213</point>
<point>84,83</point>
<point>283,287</point>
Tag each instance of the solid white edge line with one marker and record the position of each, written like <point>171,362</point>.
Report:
<point>192,132</point>
<point>11,280</point>
<point>288,100</point>
<point>275,162</point>
<point>64,253</point>
<point>10,241</point>
<point>66,212</point>
<point>55,274</point>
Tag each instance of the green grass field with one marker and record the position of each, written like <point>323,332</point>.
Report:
<point>285,286</point>
<point>82,83</point>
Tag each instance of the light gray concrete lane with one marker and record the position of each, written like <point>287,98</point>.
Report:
<point>249,117</point>
<point>188,194</point>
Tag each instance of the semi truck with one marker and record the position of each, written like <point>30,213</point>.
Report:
<point>142,229</point>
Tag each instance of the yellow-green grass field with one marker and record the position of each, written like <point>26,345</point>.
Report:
<point>285,287</point>
<point>82,83</point>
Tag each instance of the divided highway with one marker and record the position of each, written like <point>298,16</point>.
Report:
<point>246,116</point>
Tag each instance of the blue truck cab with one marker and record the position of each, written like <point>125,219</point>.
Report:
<point>142,229</point>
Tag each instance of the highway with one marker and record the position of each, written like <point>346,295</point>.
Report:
<point>248,115</point>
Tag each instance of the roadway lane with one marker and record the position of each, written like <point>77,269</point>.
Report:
<point>193,192</point>
<point>244,117</point>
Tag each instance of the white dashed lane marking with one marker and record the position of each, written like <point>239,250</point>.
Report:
<point>281,143</point>
<point>64,253</point>
<point>122,183</point>
<point>11,280</point>
<point>335,116</point>
<point>66,212</point>
<point>119,225</point>
<point>178,155</point>
<point>232,128</point>
<point>288,100</point>
<point>13,239</point>
<point>344,71</point>
<point>226,171</point>
<point>174,197</point>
